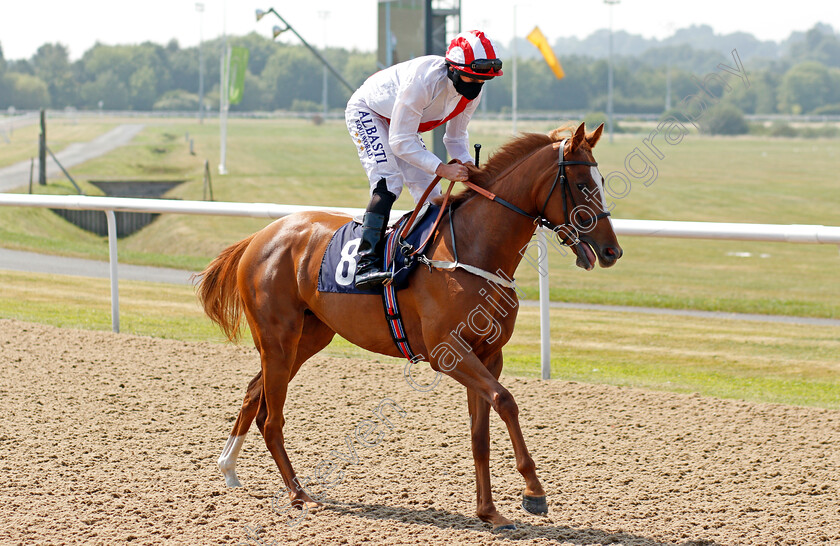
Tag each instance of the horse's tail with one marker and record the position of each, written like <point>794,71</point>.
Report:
<point>218,292</point>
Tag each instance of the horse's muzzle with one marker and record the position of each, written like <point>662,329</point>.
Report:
<point>607,254</point>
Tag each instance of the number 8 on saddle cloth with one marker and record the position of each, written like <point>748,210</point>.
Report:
<point>338,266</point>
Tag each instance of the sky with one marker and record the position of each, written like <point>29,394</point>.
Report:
<point>79,24</point>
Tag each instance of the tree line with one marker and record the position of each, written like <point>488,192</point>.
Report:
<point>149,77</point>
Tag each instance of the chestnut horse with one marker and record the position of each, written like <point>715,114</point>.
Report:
<point>272,277</point>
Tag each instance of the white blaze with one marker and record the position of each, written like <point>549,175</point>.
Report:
<point>599,181</point>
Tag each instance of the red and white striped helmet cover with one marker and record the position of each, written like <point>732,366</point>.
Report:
<point>469,46</point>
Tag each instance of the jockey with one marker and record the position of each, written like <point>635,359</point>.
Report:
<point>385,117</point>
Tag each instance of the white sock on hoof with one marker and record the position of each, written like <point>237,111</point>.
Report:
<point>227,460</point>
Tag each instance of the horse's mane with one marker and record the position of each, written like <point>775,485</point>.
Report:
<point>505,157</point>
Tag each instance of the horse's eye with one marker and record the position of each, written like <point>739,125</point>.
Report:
<point>581,187</point>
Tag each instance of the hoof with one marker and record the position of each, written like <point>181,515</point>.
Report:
<point>535,505</point>
<point>313,506</point>
<point>231,480</point>
<point>505,527</point>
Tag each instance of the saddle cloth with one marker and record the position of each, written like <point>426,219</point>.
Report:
<point>338,266</point>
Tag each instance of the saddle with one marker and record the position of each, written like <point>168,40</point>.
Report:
<point>338,266</point>
<point>405,244</point>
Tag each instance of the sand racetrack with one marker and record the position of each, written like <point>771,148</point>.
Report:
<point>108,439</point>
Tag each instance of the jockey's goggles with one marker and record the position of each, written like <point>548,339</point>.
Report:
<point>482,66</point>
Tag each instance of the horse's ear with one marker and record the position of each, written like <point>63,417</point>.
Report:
<point>592,138</point>
<point>580,134</point>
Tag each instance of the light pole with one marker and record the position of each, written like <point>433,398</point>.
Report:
<point>611,3</point>
<point>389,37</point>
<point>224,87</point>
<point>324,15</point>
<point>670,27</point>
<point>515,76</point>
<point>482,25</point>
<point>276,31</point>
<point>514,82</point>
<point>199,7</point>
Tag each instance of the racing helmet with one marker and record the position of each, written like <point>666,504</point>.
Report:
<point>472,53</point>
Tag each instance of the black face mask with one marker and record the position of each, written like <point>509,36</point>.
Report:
<point>469,90</point>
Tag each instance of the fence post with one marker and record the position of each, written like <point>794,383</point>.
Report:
<point>545,321</point>
<point>208,183</point>
<point>42,151</point>
<point>112,256</point>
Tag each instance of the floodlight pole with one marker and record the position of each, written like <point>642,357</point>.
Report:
<point>223,106</point>
<point>324,15</point>
<point>389,53</point>
<point>514,83</point>
<point>435,44</point>
<point>670,27</point>
<point>223,97</point>
<point>199,7</point>
<point>610,3</point>
<point>261,14</point>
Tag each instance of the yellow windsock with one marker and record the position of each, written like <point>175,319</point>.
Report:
<point>538,39</point>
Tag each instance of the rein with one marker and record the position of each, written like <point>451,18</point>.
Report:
<point>420,203</point>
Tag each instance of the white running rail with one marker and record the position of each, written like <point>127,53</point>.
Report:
<point>795,233</point>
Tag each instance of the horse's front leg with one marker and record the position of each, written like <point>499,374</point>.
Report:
<point>473,374</point>
<point>533,497</point>
<point>480,436</point>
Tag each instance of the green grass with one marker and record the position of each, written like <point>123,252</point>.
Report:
<point>781,363</point>
<point>777,278</point>
<point>23,142</point>
<point>755,361</point>
<point>293,161</point>
<point>149,309</point>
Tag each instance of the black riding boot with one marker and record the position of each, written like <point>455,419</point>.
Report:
<point>369,274</point>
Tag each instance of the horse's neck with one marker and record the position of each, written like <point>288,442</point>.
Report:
<point>489,235</point>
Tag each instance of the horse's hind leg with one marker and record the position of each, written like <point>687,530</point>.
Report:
<point>316,335</point>
<point>227,460</point>
<point>281,332</point>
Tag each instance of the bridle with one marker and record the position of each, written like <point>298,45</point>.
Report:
<point>570,236</point>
